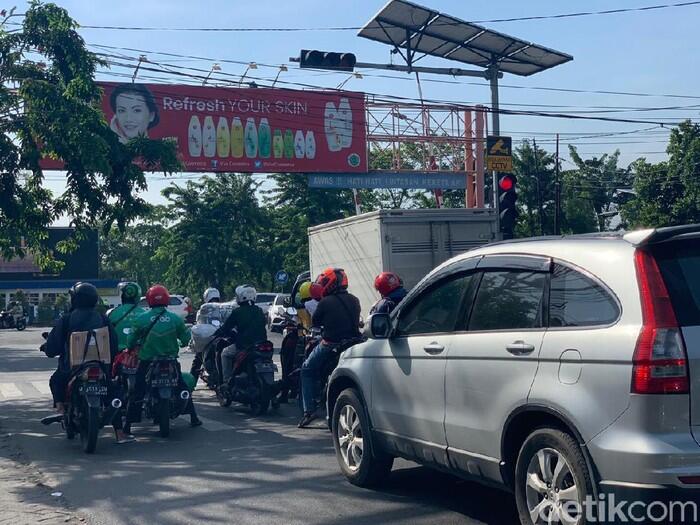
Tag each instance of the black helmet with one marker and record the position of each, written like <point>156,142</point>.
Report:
<point>83,295</point>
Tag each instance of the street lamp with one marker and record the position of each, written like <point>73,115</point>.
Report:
<point>142,58</point>
<point>353,75</point>
<point>283,68</point>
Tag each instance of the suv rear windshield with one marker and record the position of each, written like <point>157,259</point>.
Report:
<point>264,298</point>
<point>679,263</point>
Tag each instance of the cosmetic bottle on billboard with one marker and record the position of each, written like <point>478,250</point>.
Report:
<point>278,144</point>
<point>310,145</point>
<point>345,118</point>
<point>299,144</point>
<point>251,139</point>
<point>223,138</point>
<point>331,127</point>
<point>194,137</point>
<point>209,137</point>
<point>236,138</point>
<point>289,144</point>
<point>264,139</point>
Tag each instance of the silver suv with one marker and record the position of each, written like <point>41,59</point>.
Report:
<point>560,368</point>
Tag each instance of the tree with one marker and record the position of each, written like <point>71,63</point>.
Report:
<point>50,106</point>
<point>534,169</point>
<point>668,193</point>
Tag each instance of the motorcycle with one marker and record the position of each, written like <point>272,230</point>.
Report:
<point>8,321</point>
<point>166,396</point>
<point>203,342</point>
<point>89,407</point>
<point>295,339</point>
<point>253,380</point>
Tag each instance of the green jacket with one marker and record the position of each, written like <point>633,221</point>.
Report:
<point>166,337</point>
<point>122,318</point>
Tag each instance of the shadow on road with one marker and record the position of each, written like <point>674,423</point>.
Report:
<point>257,471</point>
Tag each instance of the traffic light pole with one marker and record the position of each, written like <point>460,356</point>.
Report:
<point>493,76</point>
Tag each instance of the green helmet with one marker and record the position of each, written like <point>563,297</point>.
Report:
<point>130,292</point>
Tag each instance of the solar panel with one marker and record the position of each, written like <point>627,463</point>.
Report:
<point>406,25</point>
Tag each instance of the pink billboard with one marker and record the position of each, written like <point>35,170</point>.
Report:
<point>246,130</point>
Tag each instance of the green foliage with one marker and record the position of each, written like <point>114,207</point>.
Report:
<point>50,107</point>
<point>668,193</point>
<point>534,169</point>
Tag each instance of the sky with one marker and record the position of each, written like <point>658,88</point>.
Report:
<point>654,52</point>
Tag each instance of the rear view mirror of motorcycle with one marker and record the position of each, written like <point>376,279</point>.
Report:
<point>291,311</point>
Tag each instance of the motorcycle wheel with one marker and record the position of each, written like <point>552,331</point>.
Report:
<point>224,397</point>
<point>21,325</point>
<point>261,405</point>
<point>163,416</point>
<point>89,429</point>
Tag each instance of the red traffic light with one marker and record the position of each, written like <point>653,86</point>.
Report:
<point>506,183</point>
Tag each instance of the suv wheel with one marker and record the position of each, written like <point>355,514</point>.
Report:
<point>362,465</point>
<point>551,479</point>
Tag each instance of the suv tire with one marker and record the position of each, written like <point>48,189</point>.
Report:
<point>362,465</point>
<point>550,474</point>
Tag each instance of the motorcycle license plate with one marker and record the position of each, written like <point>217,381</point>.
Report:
<point>95,390</point>
<point>265,367</point>
<point>163,382</point>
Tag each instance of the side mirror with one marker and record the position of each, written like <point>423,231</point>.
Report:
<point>287,302</point>
<point>291,311</point>
<point>380,326</point>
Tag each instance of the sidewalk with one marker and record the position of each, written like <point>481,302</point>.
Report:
<point>25,498</point>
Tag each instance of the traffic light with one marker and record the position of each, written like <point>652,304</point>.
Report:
<point>507,198</point>
<point>327,60</point>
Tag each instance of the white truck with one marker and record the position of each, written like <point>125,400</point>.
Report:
<point>408,242</point>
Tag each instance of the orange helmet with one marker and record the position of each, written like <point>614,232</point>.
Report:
<point>157,295</point>
<point>387,282</point>
<point>329,282</point>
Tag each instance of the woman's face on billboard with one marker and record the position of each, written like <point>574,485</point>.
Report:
<point>133,114</point>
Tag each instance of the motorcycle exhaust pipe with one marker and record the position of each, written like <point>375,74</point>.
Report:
<point>184,395</point>
<point>116,403</point>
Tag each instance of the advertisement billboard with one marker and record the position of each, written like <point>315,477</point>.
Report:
<point>243,129</point>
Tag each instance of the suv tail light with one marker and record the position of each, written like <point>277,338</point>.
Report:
<point>660,362</point>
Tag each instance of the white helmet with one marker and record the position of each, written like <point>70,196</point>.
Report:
<point>211,294</point>
<point>245,293</point>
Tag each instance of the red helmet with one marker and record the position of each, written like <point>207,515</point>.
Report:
<point>328,282</point>
<point>387,282</point>
<point>157,295</point>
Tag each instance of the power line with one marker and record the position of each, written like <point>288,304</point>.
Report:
<point>355,28</point>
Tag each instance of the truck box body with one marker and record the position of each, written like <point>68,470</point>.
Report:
<point>408,242</point>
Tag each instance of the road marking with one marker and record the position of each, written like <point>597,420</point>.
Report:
<point>215,426</point>
<point>42,387</point>
<point>10,390</point>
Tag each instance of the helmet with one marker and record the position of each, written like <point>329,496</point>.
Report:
<point>305,291</point>
<point>130,292</point>
<point>83,295</point>
<point>387,282</point>
<point>157,295</point>
<point>330,281</point>
<point>211,294</point>
<point>245,293</point>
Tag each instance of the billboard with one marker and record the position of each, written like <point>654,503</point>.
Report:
<point>243,129</point>
<point>83,263</point>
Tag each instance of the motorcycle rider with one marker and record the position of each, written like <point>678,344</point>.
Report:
<point>390,287</point>
<point>289,344</point>
<point>338,312</point>
<point>156,332</point>
<point>83,316</point>
<point>210,295</point>
<point>123,316</point>
<point>246,324</point>
<point>10,316</point>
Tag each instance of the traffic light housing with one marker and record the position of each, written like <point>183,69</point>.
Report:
<point>507,198</point>
<point>312,58</point>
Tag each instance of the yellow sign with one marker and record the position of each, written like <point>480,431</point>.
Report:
<point>499,151</point>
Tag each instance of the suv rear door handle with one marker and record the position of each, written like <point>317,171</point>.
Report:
<point>520,348</point>
<point>433,348</point>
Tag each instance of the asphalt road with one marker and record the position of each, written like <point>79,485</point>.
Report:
<point>234,469</point>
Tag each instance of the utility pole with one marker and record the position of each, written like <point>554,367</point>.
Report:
<point>539,189</point>
<point>557,194</point>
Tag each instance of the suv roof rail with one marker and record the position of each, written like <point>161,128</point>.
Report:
<point>657,235</point>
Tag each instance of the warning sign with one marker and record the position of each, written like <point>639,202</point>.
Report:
<point>499,153</point>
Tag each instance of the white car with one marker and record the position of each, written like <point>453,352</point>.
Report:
<point>276,310</point>
<point>265,300</point>
<point>177,305</point>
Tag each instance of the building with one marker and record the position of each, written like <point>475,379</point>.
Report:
<point>37,286</point>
